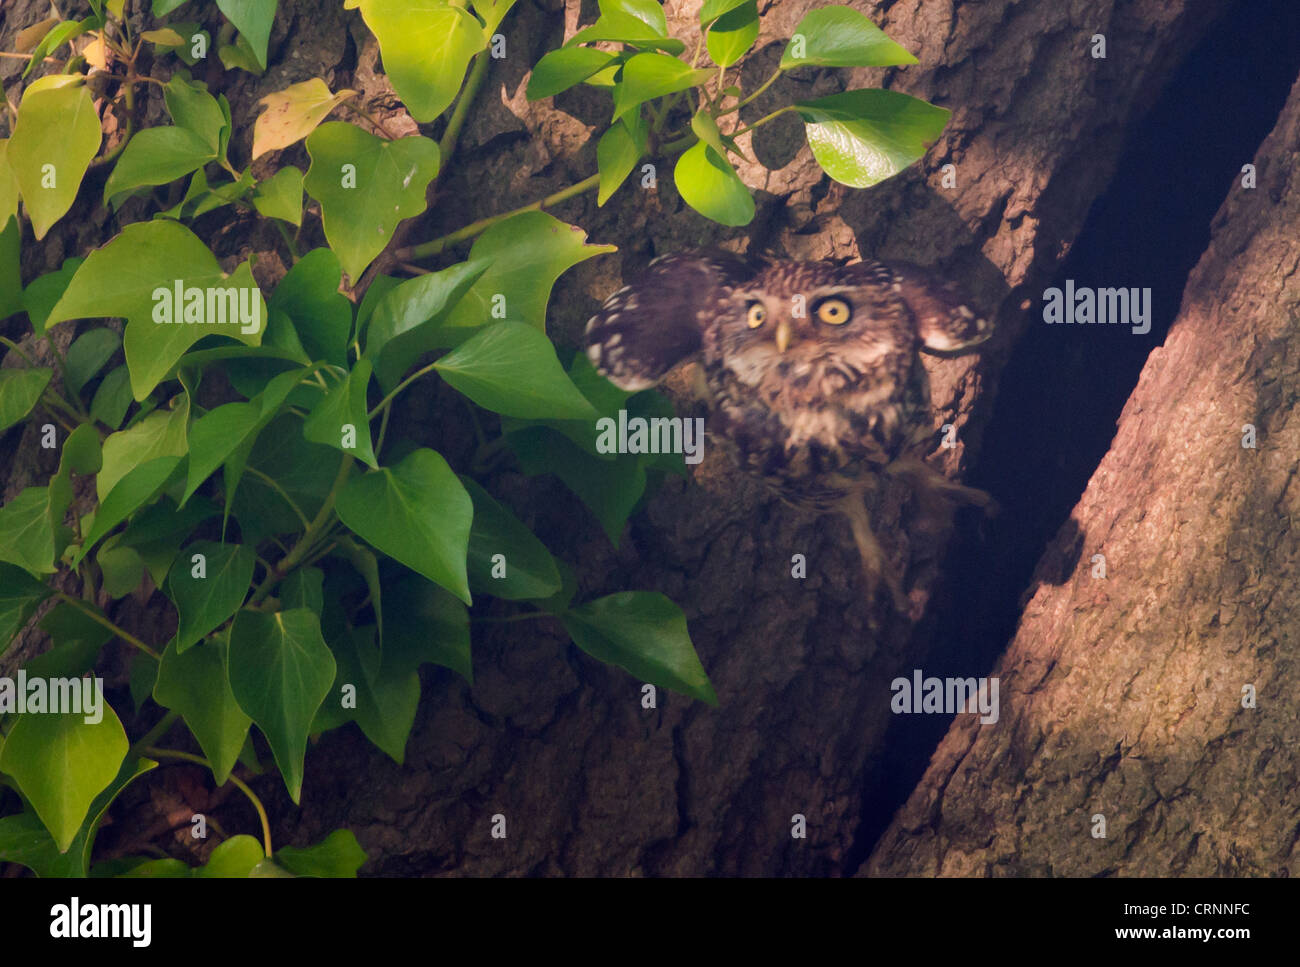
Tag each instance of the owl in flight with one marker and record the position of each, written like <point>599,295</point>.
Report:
<point>812,370</point>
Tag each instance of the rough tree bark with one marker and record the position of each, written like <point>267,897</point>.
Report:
<point>591,783</point>
<point>1126,697</point>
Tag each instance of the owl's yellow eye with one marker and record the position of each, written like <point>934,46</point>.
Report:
<point>834,312</point>
<point>757,315</point>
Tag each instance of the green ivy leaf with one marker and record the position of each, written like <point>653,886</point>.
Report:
<point>205,602</point>
<point>20,391</point>
<point>280,671</point>
<point>344,407</point>
<point>27,531</point>
<point>622,27</point>
<point>53,143</point>
<point>558,71</point>
<point>708,183</point>
<point>733,34</point>
<point>405,323</point>
<point>713,9</point>
<point>121,278</point>
<point>526,253</point>
<point>416,512</point>
<point>366,564</point>
<point>861,138</point>
<point>195,685</point>
<point>280,196</point>
<point>426,46</point>
<point>530,571</point>
<point>389,179</point>
<point>160,434</point>
<point>112,399</point>
<point>122,569</point>
<point>87,356</point>
<point>322,316</point>
<point>233,859</point>
<point>61,763</point>
<point>511,368</point>
<point>303,470</point>
<point>841,37</point>
<point>8,193</point>
<point>338,855</point>
<point>156,156</point>
<point>644,633</point>
<point>54,39</point>
<point>253,20</point>
<point>386,700</point>
<point>131,493</point>
<point>20,596</point>
<point>650,75</point>
<point>425,624</point>
<point>617,153</point>
<point>44,292</point>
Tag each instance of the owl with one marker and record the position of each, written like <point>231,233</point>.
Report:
<point>811,371</point>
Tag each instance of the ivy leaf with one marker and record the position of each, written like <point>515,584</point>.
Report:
<point>8,192</point>
<point>861,138</point>
<point>160,434</point>
<point>280,671</point>
<point>303,470</point>
<point>87,356</point>
<point>121,279</point>
<point>733,34</point>
<point>560,70</point>
<point>44,292</point>
<point>416,512</point>
<point>343,411</point>
<point>617,153</point>
<point>131,493</point>
<point>156,156</point>
<point>111,400</point>
<point>623,27</point>
<point>195,685</point>
<point>233,859</point>
<point>530,571</point>
<point>337,855</point>
<point>713,9</point>
<point>27,531</point>
<point>53,143</point>
<point>426,624</point>
<point>365,186</point>
<point>54,39</point>
<point>511,368</point>
<point>293,113</point>
<point>708,183</point>
<point>386,701</point>
<point>322,316</point>
<point>526,254</point>
<point>280,196</point>
<point>841,37</point>
<point>20,391</point>
<point>24,840</point>
<point>20,596</point>
<point>404,324</point>
<point>122,569</point>
<point>253,20</point>
<point>193,109</point>
<point>205,602</point>
<point>650,75</point>
<point>426,46</point>
<point>61,763</point>
<point>644,633</point>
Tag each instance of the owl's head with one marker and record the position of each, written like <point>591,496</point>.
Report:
<point>800,317</point>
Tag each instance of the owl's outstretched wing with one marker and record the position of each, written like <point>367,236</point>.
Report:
<point>654,323</point>
<point>946,324</point>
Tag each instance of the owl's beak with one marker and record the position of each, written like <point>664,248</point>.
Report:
<point>782,335</point>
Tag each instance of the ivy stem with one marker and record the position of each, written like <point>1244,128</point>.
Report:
<point>387,400</point>
<point>304,545</point>
<point>468,94</point>
<point>153,735</point>
<point>126,636</point>
<point>275,485</point>
<point>763,87</point>
<point>242,786</point>
<point>763,120</point>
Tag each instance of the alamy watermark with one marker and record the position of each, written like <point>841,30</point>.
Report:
<point>214,306</point>
<point>657,434</point>
<point>1085,305</point>
<point>57,696</point>
<point>945,696</point>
